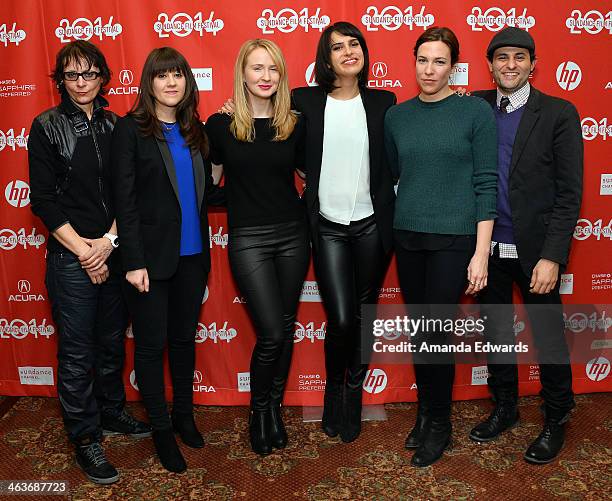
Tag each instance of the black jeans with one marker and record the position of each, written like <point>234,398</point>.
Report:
<point>434,277</point>
<point>269,263</point>
<point>91,321</point>
<point>167,313</point>
<point>349,264</point>
<point>548,334</point>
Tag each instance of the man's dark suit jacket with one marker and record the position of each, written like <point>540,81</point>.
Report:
<point>545,185</point>
<point>310,101</point>
<point>147,201</point>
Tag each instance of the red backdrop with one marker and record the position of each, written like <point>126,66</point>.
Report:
<point>573,47</point>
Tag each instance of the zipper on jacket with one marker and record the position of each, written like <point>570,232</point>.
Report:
<point>100,168</point>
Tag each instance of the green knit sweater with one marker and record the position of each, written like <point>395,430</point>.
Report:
<point>445,156</point>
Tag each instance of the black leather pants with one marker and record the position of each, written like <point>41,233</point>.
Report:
<point>269,263</point>
<point>91,322</point>
<point>349,263</point>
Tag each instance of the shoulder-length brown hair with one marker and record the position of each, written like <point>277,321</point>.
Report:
<point>284,119</point>
<point>160,61</point>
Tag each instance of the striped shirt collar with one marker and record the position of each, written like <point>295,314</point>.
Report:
<point>518,99</point>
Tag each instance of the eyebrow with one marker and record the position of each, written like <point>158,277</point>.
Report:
<point>342,43</point>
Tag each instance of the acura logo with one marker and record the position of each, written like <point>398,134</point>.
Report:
<point>197,377</point>
<point>23,286</point>
<point>126,77</point>
<point>379,70</point>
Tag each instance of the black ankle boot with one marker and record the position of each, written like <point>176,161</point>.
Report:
<point>259,432</point>
<point>331,422</point>
<point>504,416</point>
<point>278,434</point>
<point>435,442</point>
<point>351,422</point>
<point>549,443</point>
<point>418,432</point>
<point>185,426</point>
<point>168,451</point>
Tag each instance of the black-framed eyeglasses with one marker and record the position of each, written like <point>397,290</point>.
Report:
<point>72,76</point>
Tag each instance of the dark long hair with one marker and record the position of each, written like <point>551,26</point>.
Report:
<point>76,52</point>
<point>324,73</point>
<point>159,61</point>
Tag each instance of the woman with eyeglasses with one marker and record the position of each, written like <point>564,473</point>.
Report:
<point>163,183</point>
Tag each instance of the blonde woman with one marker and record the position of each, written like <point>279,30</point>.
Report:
<point>258,150</point>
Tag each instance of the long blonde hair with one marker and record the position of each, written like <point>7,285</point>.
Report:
<point>284,119</point>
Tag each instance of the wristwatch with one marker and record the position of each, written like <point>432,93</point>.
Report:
<point>114,239</point>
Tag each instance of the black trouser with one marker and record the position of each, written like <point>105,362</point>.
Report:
<point>435,277</point>
<point>91,321</point>
<point>548,332</point>
<point>350,262</point>
<point>167,313</point>
<point>269,263</point>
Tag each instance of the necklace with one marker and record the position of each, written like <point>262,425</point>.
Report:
<point>168,127</point>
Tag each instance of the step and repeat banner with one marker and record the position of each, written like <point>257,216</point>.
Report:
<point>573,42</point>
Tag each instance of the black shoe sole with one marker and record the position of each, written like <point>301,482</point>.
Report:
<point>531,460</point>
<point>330,433</point>
<point>411,446</point>
<point>495,437</point>
<point>112,433</point>
<point>97,480</point>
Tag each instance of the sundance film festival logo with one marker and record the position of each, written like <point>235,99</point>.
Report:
<point>605,187</point>
<point>218,237</point>
<point>496,19</point>
<point>287,20</point>
<point>21,329</point>
<point>39,376</point>
<point>569,75</point>
<point>13,141</point>
<point>309,331</point>
<point>592,22</point>
<point>10,34</point>
<point>585,229</point>
<point>17,193</point>
<point>375,381</point>
<point>182,24</point>
<point>592,129</point>
<point>84,29</point>
<point>598,369</point>
<point>580,322</point>
<point>126,78</point>
<point>10,239</point>
<point>392,18</point>
<point>379,72</point>
<point>133,380</point>
<point>222,333</point>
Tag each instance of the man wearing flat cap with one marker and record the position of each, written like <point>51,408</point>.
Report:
<point>540,157</point>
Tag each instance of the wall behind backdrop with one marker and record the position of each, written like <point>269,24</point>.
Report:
<point>573,47</point>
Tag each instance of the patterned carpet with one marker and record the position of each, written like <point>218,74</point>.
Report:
<point>315,467</point>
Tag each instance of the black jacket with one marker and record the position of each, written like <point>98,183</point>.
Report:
<point>147,201</point>
<point>545,184</point>
<point>69,161</point>
<point>310,101</point>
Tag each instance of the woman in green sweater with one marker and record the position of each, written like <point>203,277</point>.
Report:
<point>443,149</point>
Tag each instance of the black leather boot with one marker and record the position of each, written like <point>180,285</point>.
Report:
<point>168,451</point>
<point>549,443</point>
<point>278,434</point>
<point>418,432</point>
<point>335,368</point>
<point>435,442</point>
<point>351,419</point>
<point>185,426</point>
<point>505,415</point>
<point>259,432</point>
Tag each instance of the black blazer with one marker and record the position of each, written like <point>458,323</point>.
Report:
<point>545,185</point>
<point>147,201</point>
<point>310,101</point>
